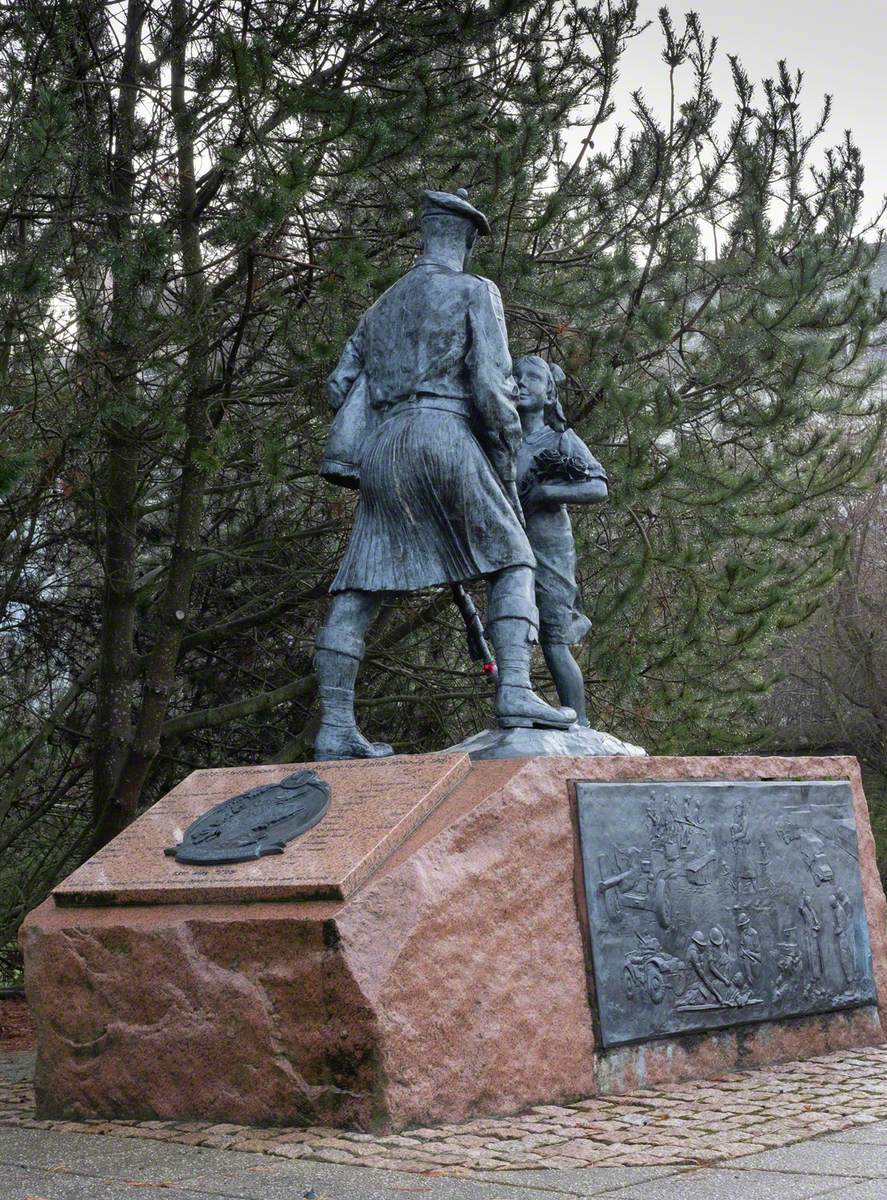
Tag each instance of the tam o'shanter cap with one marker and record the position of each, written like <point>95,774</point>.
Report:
<point>454,204</point>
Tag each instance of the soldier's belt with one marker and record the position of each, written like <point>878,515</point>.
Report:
<point>459,406</point>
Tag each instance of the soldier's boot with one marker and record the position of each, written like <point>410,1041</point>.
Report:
<point>337,658</point>
<point>513,624</point>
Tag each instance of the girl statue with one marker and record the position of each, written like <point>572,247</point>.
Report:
<point>554,468</point>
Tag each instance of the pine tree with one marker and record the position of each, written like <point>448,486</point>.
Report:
<point>197,202</point>
<point>707,287</point>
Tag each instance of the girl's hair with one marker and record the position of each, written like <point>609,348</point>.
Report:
<point>552,412</point>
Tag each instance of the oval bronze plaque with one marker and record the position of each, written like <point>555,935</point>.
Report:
<point>255,823</point>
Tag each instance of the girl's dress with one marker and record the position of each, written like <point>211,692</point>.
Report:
<point>551,534</point>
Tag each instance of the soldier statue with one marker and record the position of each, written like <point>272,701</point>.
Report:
<point>428,374</point>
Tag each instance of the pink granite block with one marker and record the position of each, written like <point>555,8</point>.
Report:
<point>451,981</point>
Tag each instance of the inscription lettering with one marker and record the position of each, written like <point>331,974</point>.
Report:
<point>375,806</point>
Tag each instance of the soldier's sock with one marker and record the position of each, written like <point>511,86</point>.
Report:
<point>567,676</point>
<point>513,623</point>
<point>336,674</point>
<point>338,735</point>
<point>511,638</point>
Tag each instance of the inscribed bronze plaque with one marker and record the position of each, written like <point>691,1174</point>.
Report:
<point>259,821</point>
<point>716,904</point>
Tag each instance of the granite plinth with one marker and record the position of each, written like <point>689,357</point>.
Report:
<point>575,742</point>
<point>373,807</point>
<point>452,982</point>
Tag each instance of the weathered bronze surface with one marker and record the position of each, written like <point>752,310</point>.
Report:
<point>715,904</point>
<point>555,469</point>
<point>428,430</point>
<point>256,822</point>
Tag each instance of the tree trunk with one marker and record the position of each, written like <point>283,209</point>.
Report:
<point>121,485</point>
<point>161,665</point>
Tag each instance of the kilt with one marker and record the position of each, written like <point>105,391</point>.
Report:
<point>431,509</point>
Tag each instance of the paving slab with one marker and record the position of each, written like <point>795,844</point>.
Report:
<point>290,1180</point>
<point>872,1189</point>
<point>27,1183</point>
<point>579,1181</point>
<point>822,1157</point>
<point>284,1181</point>
<point>40,1164</point>
<point>114,1157</point>
<point>723,1184</point>
<point>872,1134</point>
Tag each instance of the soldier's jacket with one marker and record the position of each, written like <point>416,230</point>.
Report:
<point>439,332</point>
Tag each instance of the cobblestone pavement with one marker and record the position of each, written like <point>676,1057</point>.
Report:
<point>707,1122</point>
<point>16,1026</point>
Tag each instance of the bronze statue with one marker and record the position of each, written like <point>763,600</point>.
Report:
<point>430,393</point>
<point>555,468</point>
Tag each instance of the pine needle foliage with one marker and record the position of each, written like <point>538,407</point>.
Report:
<point>196,204</point>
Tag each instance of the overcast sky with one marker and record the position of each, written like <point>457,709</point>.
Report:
<point>840,46</point>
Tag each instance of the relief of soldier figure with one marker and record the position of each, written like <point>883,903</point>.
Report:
<point>433,428</point>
